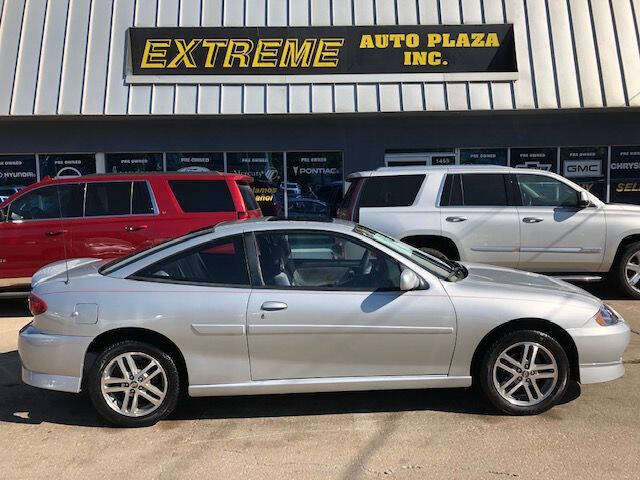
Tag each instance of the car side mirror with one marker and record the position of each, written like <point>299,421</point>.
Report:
<point>583,200</point>
<point>409,280</point>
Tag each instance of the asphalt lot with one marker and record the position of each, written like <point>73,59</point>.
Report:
<point>398,434</point>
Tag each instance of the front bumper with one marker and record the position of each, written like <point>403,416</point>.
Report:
<point>54,362</point>
<point>600,351</point>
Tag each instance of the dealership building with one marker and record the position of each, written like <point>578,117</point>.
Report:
<point>301,93</point>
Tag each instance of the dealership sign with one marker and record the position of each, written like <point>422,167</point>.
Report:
<point>246,54</point>
<point>587,167</point>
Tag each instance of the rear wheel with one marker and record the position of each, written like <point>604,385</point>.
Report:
<point>134,384</point>
<point>524,373</point>
<point>627,270</point>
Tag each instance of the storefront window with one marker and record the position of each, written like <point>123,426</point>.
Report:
<point>267,170</point>
<point>195,162</point>
<point>66,165</point>
<point>538,158</point>
<point>625,174</point>
<point>314,183</point>
<point>586,166</point>
<point>133,162</point>
<point>17,170</point>
<point>483,156</point>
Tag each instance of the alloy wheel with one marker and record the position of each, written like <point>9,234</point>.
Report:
<point>632,271</point>
<point>525,373</point>
<point>134,384</point>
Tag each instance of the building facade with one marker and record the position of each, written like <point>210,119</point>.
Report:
<point>121,85</point>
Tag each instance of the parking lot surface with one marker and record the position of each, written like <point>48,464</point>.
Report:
<point>394,434</point>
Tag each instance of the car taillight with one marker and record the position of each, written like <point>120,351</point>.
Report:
<point>37,305</point>
<point>243,215</point>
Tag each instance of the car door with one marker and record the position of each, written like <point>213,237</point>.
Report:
<point>35,231</point>
<point>329,306</point>
<point>119,218</point>
<point>478,214</point>
<point>557,235</point>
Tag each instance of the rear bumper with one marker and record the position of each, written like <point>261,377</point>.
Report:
<point>600,351</point>
<point>54,362</point>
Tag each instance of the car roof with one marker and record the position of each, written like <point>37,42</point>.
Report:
<point>389,171</point>
<point>277,223</point>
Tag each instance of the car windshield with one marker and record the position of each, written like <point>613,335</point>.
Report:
<point>434,265</point>
<point>120,262</point>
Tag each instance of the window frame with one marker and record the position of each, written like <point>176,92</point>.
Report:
<point>135,277</point>
<point>516,187</point>
<point>224,181</point>
<point>512,193</point>
<point>256,271</point>
<point>368,180</point>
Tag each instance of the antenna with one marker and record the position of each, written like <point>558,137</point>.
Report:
<point>64,239</point>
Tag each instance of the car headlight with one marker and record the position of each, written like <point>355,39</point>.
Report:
<point>606,316</point>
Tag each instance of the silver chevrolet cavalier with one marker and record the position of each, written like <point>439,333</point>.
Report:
<point>272,306</point>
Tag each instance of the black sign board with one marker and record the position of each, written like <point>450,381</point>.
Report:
<point>195,162</point>
<point>314,183</point>
<point>133,162</point>
<point>625,174</point>
<point>587,166</point>
<point>66,165</point>
<point>322,50</point>
<point>538,158</point>
<point>18,170</point>
<point>483,156</point>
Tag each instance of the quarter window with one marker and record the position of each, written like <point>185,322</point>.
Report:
<point>391,191</point>
<point>315,260</point>
<point>543,191</point>
<point>221,262</point>
<point>202,195</point>
<point>141,203</point>
<point>248,197</point>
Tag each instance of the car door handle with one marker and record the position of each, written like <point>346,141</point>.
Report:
<point>456,219</point>
<point>55,233</point>
<point>134,228</point>
<point>532,219</point>
<point>271,306</point>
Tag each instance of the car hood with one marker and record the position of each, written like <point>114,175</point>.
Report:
<point>622,207</point>
<point>521,282</point>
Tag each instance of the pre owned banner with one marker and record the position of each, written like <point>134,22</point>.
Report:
<point>587,166</point>
<point>133,162</point>
<point>538,158</point>
<point>195,162</point>
<point>322,50</point>
<point>18,169</point>
<point>625,174</point>
<point>483,156</point>
<point>66,165</point>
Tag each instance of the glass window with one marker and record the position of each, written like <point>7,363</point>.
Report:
<point>484,189</point>
<point>108,199</point>
<point>50,202</point>
<point>248,197</point>
<point>141,200</point>
<point>133,162</point>
<point>391,191</point>
<point>66,165</point>
<point>202,195</point>
<point>195,162</point>
<point>315,178</point>
<point>221,262</point>
<point>324,260</point>
<point>543,191</point>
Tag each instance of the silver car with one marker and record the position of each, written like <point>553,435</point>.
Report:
<point>270,306</point>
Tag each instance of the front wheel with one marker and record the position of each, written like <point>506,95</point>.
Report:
<point>524,373</point>
<point>134,384</point>
<point>627,270</point>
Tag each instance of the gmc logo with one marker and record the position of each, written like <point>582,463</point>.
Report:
<point>582,168</point>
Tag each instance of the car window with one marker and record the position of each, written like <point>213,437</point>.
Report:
<point>543,191</point>
<point>391,191</point>
<point>202,195</point>
<point>141,203</point>
<point>318,260</point>
<point>248,197</point>
<point>221,262</point>
<point>483,189</point>
<point>108,199</point>
<point>54,201</point>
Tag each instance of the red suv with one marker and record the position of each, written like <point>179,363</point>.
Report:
<point>106,216</point>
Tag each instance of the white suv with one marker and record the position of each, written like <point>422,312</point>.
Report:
<point>527,219</point>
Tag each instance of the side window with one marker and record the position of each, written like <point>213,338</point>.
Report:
<point>324,260</point>
<point>202,195</point>
<point>248,197</point>
<point>55,201</point>
<point>141,199</point>
<point>484,189</point>
<point>451,191</point>
<point>221,262</point>
<point>391,191</point>
<point>543,191</point>
<point>108,199</point>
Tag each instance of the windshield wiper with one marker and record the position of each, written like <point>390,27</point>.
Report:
<point>459,272</point>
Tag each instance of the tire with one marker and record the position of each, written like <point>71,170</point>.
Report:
<point>551,382</point>
<point>619,271</point>
<point>163,377</point>
<point>433,252</point>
